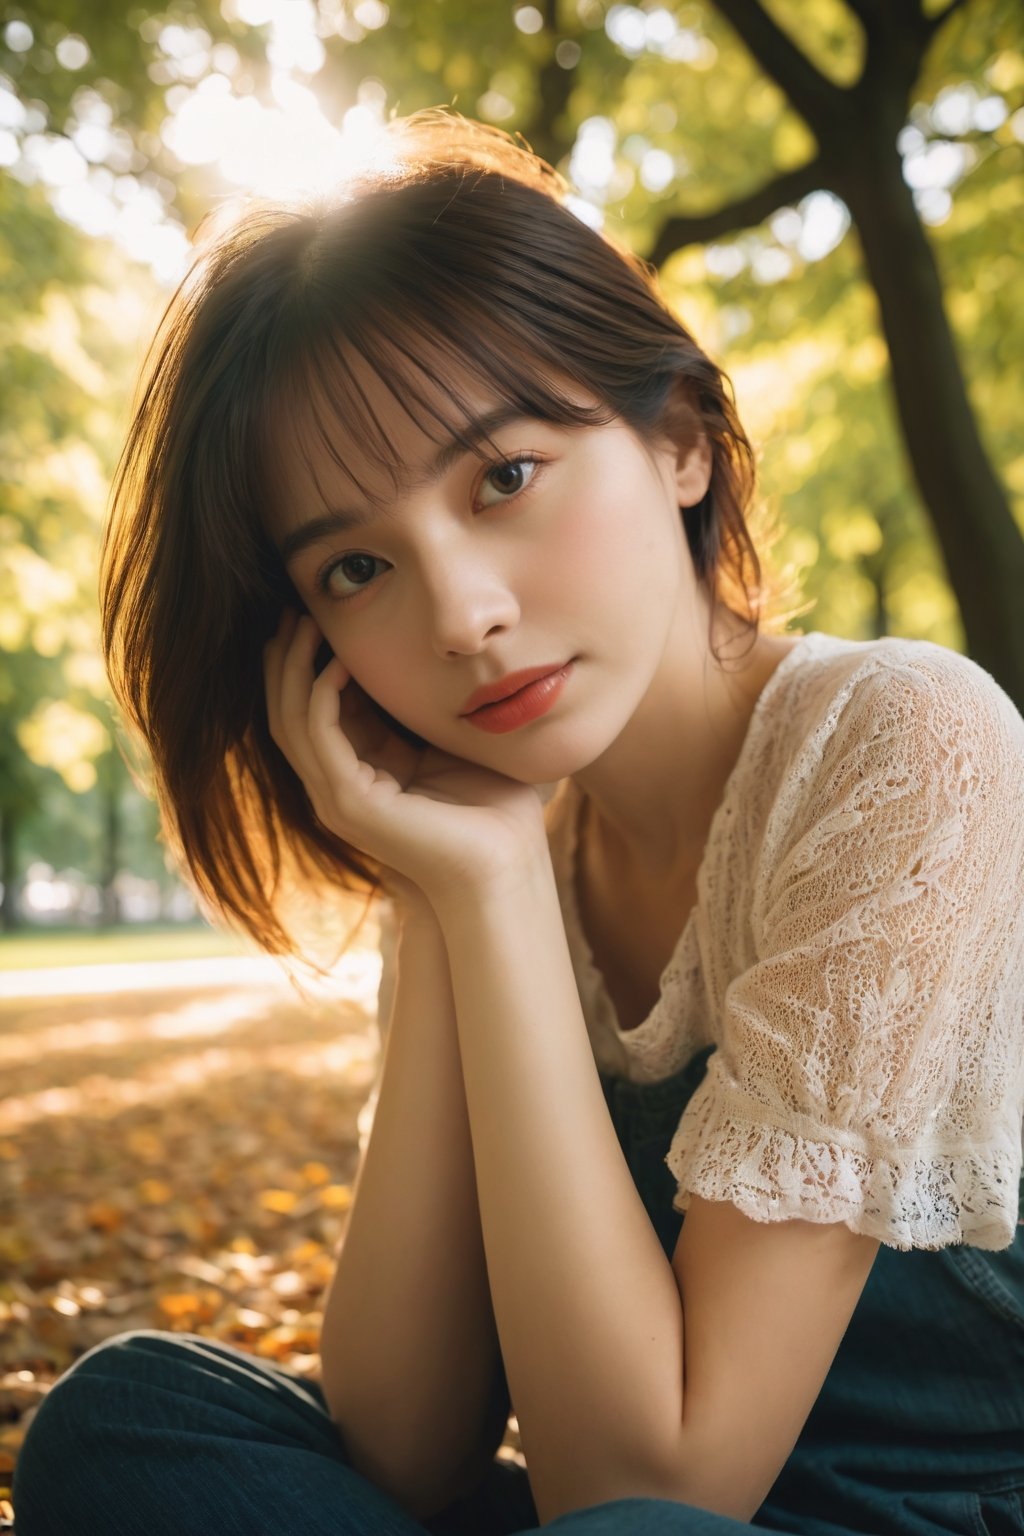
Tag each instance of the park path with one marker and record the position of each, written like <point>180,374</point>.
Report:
<point>177,1148</point>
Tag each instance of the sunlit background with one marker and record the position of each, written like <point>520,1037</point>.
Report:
<point>120,128</point>
<point>282,140</point>
<point>180,1124</point>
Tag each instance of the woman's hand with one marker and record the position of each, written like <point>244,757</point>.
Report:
<point>447,825</point>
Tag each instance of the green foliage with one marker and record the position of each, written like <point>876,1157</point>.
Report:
<point>120,39</point>
<point>694,125</point>
<point>65,361</point>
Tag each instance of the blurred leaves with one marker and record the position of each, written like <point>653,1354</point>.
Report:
<point>56,735</point>
<point>68,350</point>
<point>652,112</point>
<point>176,1160</point>
<point>166,1182</point>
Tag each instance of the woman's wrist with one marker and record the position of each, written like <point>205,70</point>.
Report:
<point>415,907</point>
<point>530,874</point>
<point>410,905</point>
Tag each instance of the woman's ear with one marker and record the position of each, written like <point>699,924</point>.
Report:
<point>693,469</point>
<point>686,435</point>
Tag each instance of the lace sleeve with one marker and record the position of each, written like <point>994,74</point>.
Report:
<point>871,1064</point>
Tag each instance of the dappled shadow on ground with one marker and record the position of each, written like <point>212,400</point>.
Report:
<point>172,1158</point>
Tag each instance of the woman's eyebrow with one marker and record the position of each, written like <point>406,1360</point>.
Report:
<point>340,520</point>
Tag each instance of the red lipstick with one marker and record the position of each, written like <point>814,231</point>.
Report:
<point>517,699</point>
<point>490,693</point>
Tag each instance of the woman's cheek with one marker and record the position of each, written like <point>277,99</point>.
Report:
<point>596,552</point>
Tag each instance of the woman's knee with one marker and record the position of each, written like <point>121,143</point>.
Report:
<point>146,1397</point>
<point>61,1413</point>
<point>86,1396</point>
<point>61,1447</point>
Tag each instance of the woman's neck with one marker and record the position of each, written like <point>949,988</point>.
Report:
<point>654,793</point>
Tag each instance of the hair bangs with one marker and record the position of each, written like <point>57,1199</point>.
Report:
<point>321,406</point>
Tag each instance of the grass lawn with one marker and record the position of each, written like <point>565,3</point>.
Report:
<point>42,948</point>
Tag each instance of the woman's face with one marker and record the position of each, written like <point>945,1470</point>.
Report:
<point>570,549</point>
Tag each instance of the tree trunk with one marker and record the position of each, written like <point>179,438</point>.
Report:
<point>874,569</point>
<point>8,872</point>
<point>856,129</point>
<point>111,784</point>
<point>980,541</point>
<point>545,132</point>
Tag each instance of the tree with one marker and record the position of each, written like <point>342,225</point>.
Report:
<point>708,121</point>
<point>856,127</point>
<point>60,349</point>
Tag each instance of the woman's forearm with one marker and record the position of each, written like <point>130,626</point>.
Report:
<point>587,1306</point>
<point>409,1347</point>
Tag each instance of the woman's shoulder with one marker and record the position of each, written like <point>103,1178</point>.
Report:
<point>890,732</point>
<point>839,690</point>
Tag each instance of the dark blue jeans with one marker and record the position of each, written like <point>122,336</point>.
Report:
<point>918,1430</point>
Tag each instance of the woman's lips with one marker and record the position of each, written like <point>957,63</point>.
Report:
<point>527,704</point>
<point>495,693</point>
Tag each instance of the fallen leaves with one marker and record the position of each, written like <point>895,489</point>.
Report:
<point>144,1184</point>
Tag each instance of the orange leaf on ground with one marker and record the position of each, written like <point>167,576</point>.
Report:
<point>104,1216</point>
<point>336,1197</point>
<point>280,1200</point>
<point>155,1191</point>
<point>184,1304</point>
<point>148,1157</point>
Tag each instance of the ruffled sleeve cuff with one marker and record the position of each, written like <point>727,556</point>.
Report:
<point>913,1197</point>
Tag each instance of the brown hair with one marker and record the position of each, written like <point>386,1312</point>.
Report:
<point>461,245</point>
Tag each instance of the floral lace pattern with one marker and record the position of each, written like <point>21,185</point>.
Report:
<point>856,954</point>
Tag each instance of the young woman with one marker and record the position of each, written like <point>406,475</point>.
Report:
<point>429,575</point>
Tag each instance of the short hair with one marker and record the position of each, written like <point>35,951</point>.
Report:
<point>460,245</point>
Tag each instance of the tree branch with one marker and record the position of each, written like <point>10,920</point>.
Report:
<point>935,22</point>
<point>809,91</point>
<point>694,229</point>
<point>866,12</point>
<point>555,86</point>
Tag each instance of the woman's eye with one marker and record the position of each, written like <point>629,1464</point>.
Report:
<point>349,575</point>
<point>510,477</point>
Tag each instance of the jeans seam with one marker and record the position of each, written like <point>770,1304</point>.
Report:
<point>985,1284</point>
<point>1013,1496</point>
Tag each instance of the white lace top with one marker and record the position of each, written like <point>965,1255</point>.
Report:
<point>855,955</point>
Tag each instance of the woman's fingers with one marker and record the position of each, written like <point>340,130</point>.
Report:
<point>304,716</point>
<point>294,684</point>
<point>319,723</point>
<point>334,752</point>
<point>289,678</point>
<point>273,662</point>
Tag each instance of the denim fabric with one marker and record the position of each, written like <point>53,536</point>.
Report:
<point>919,1427</point>
<point>172,1434</point>
<point>918,1430</point>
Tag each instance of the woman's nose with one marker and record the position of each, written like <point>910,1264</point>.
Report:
<point>470,601</point>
